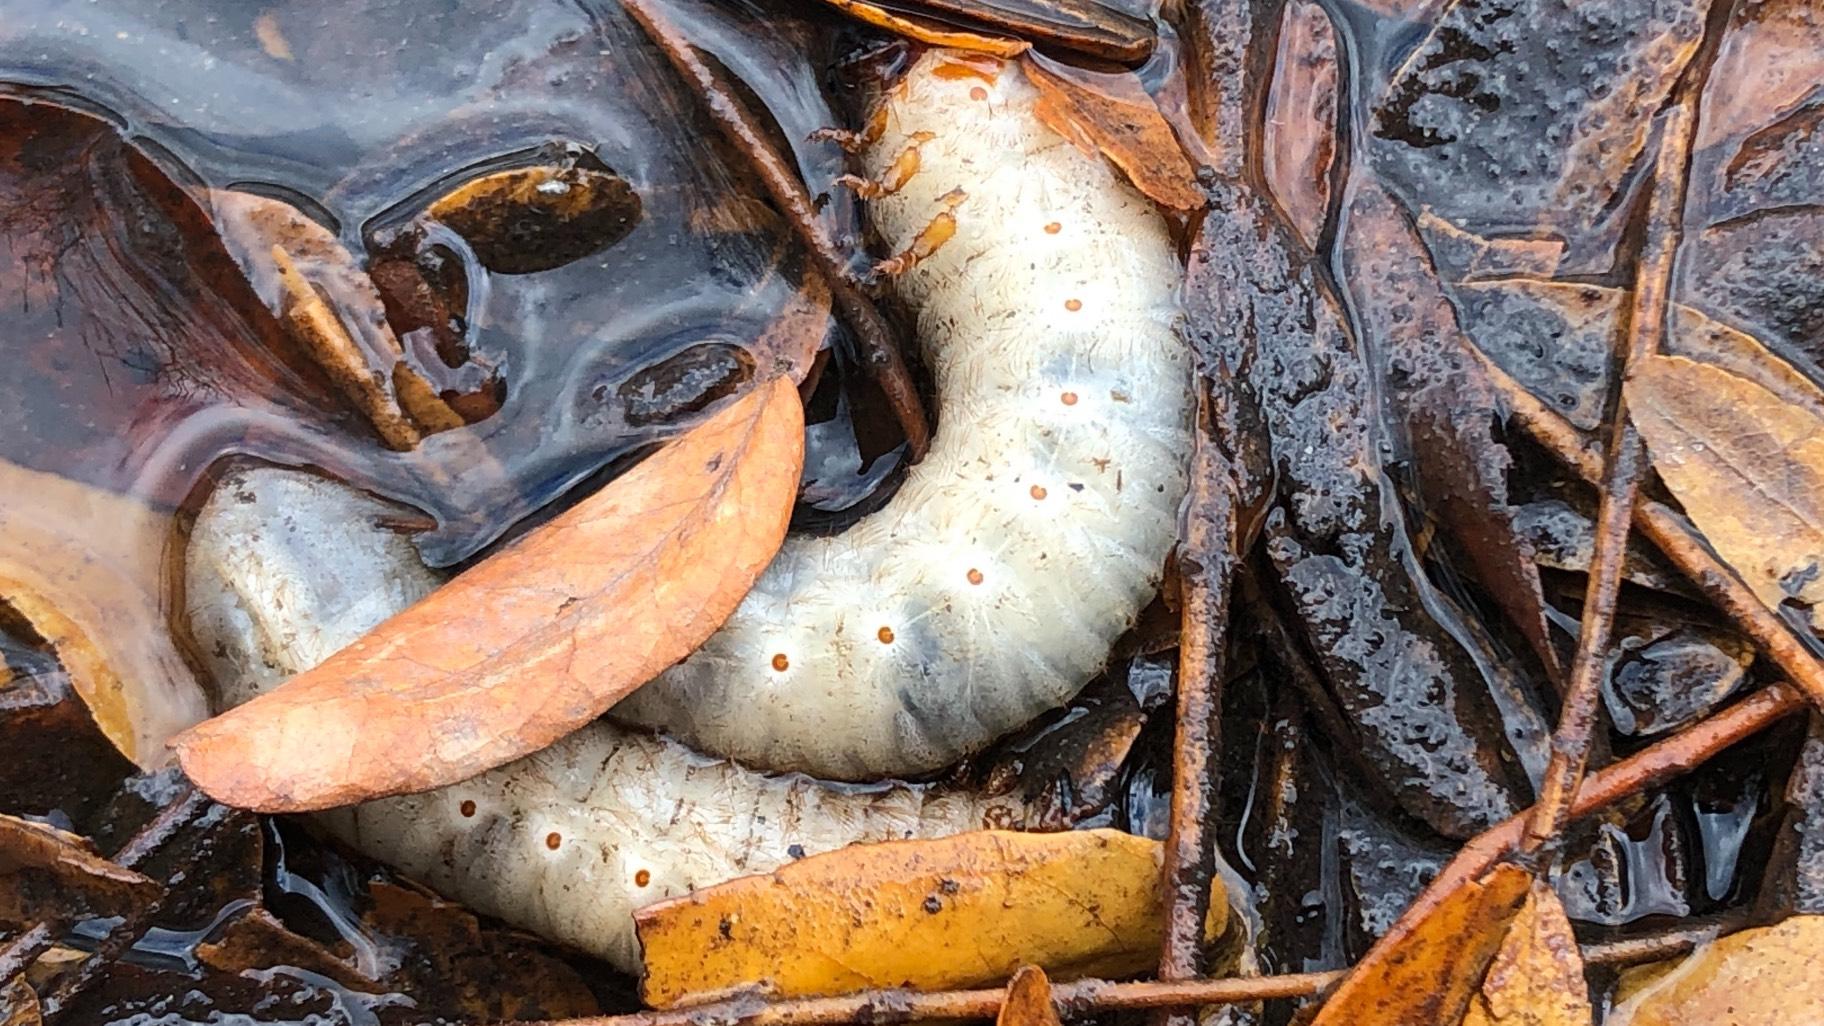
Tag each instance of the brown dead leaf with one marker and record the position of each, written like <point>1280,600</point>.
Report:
<point>1300,144</point>
<point>931,33</point>
<point>48,873</point>
<point>530,219</point>
<point>1762,977</point>
<point>83,568</point>
<point>1536,978</point>
<point>1747,467</point>
<point>534,641</point>
<point>957,912</point>
<point>1028,1001</point>
<point>258,940</point>
<point>1429,973</point>
<point>19,1005</point>
<point>1112,114</point>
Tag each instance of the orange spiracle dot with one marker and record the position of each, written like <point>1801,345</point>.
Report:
<point>978,93</point>
<point>1068,398</point>
<point>1038,491</point>
<point>468,809</point>
<point>1073,305</point>
<point>554,840</point>
<point>642,878</point>
<point>974,575</point>
<point>885,634</point>
<point>780,662</point>
<point>1053,228</point>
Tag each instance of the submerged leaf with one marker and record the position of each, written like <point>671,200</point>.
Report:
<point>1429,973</point>
<point>534,641</point>
<point>1536,978</point>
<point>957,912</point>
<point>47,873</point>
<point>1761,977</point>
<point>1747,466</point>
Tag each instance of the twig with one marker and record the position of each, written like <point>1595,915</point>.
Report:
<point>1207,561</point>
<point>885,1007</point>
<point>737,123</point>
<point>1672,536</point>
<point>1645,327</point>
<point>1647,768</point>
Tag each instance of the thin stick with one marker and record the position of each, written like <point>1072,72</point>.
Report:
<point>1674,537</point>
<point>1645,327</point>
<point>1207,562</point>
<point>737,123</point>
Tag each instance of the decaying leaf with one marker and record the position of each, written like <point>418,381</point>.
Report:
<point>1301,117</point>
<point>1112,114</point>
<point>532,642</point>
<point>1536,978</point>
<point>19,1005</point>
<point>48,873</point>
<point>1429,973</point>
<point>1762,977</point>
<point>928,32</point>
<point>83,569</point>
<point>1748,468</point>
<point>529,219</point>
<point>956,912</point>
<point>1028,1000</point>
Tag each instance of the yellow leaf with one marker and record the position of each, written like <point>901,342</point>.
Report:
<point>1747,466</point>
<point>84,568</point>
<point>1761,977</point>
<point>1028,1000</point>
<point>1536,978</point>
<point>1429,973</point>
<point>962,911</point>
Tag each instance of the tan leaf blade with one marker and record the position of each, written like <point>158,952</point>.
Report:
<point>1761,977</point>
<point>1747,466</point>
<point>1117,117</point>
<point>957,912</point>
<point>1429,973</point>
<point>1028,1000</point>
<point>534,641</point>
<point>1536,978</point>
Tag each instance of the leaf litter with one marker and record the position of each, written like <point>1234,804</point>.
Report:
<point>1725,416</point>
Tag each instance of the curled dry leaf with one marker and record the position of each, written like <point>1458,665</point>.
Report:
<point>1536,978</point>
<point>1028,1000</point>
<point>1748,468</point>
<point>1762,977</point>
<point>957,912</point>
<point>82,568</point>
<point>1113,114</point>
<point>534,641</point>
<point>1429,972</point>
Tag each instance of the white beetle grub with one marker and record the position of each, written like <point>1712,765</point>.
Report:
<point>992,586</point>
<point>285,568</point>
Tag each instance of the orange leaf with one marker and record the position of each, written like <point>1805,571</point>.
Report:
<point>1117,117</point>
<point>1428,973</point>
<point>1537,977</point>
<point>1028,1000</point>
<point>928,32</point>
<point>533,642</point>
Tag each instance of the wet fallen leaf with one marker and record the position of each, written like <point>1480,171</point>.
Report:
<point>531,219</point>
<point>956,912</point>
<point>1762,977</point>
<point>257,940</point>
<point>19,1005</point>
<point>1536,978</point>
<point>83,569</point>
<point>1428,973</point>
<point>1301,117</point>
<point>532,642</point>
<point>928,32</point>
<point>1028,1000</point>
<point>48,873</point>
<point>1112,114</point>
<point>1747,467</point>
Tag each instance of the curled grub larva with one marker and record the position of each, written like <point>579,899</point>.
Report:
<point>1039,524</point>
<point>284,568</point>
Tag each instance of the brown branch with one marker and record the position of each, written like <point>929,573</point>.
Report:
<point>1647,768</point>
<point>1645,328</point>
<point>1674,537</point>
<point>743,131</point>
<point>1207,563</point>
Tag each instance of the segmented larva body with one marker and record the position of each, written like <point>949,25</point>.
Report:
<point>992,586</point>
<point>285,568</point>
